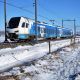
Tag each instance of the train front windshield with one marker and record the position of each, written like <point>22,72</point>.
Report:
<point>14,22</point>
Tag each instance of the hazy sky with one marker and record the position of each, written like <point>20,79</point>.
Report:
<point>47,10</point>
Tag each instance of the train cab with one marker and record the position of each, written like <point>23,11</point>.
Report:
<point>18,28</point>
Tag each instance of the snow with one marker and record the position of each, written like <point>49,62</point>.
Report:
<point>11,57</point>
<point>53,68</point>
<point>78,77</point>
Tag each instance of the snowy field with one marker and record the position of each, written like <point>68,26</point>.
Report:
<point>22,54</point>
<point>55,66</point>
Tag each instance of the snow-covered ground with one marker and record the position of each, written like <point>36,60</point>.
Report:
<point>59,65</point>
<point>56,66</point>
<point>10,57</point>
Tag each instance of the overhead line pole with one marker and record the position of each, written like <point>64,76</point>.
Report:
<point>5,19</point>
<point>74,28</point>
<point>53,25</point>
<point>36,19</point>
<point>62,23</point>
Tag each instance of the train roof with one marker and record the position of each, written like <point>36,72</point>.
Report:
<point>67,28</point>
<point>24,18</point>
<point>41,23</point>
<point>33,20</point>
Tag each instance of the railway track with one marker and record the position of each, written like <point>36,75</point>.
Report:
<point>14,44</point>
<point>28,42</point>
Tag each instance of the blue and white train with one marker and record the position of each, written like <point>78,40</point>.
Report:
<point>22,28</point>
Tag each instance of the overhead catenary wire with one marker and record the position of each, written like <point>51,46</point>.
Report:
<point>23,9</point>
<point>50,12</point>
<point>47,10</point>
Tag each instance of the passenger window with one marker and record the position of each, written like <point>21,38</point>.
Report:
<point>44,30</point>
<point>27,25</point>
<point>41,30</point>
<point>38,28</point>
<point>23,25</point>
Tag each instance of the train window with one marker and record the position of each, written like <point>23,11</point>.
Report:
<point>41,30</point>
<point>27,25</point>
<point>38,28</point>
<point>47,30</point>
<point>51,31</point>
<point>44,30</point>
<point>14,22</point>
<point>23,24</point>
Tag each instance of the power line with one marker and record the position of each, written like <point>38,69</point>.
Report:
<point>50,12</point>
<point>21,8</point>
<point>47,10</point>
<point>17,7</point>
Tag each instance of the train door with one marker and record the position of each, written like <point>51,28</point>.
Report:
<point>23,30</point>
<point>42,31</point>
<point>23,27</point>
<point>60,32</point>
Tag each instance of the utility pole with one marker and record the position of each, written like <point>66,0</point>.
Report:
<point>35,4</point>
<point>5,19</point>
<point>74,30</point>
<point>62,23</point>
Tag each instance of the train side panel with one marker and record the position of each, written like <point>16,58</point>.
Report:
<point>51,32</point>
<point>44,31</point>
<point>65,33</point>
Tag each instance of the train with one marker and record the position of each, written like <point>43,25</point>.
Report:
<point>23,28</point>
